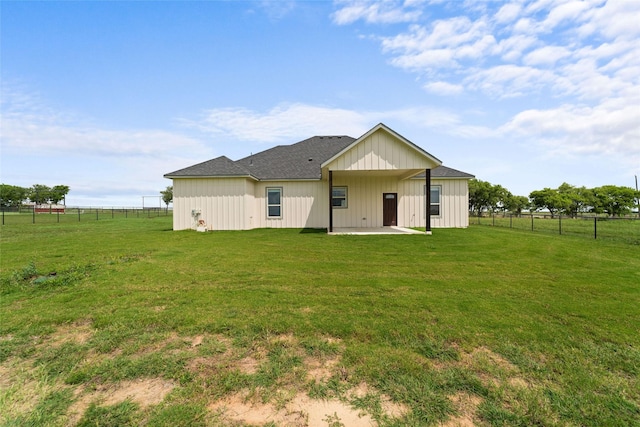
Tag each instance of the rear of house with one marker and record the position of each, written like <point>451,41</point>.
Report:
<point>377,180</point>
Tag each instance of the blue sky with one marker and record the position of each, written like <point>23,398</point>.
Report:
<point>107,97</point>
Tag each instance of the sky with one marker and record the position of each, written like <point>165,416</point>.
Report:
<point>107,97</point>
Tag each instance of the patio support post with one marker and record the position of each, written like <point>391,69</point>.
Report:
<point>428,200</point>
<point>330,201</point>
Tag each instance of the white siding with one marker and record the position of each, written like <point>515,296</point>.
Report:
<point>454,204</point>
<point>305,204</point>
<point>240,204</point>
<point>380,151</point>
<point>221,201</point>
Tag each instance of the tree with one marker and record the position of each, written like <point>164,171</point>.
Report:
<point>40,194</point>
<point>577,199</point>
<point>517,204</point>
<point>167,195</point>
<point>614,200</point>
<point>549,199</point>
<point>57,193</point>
<point>481,196</point>
<point>12,195</point>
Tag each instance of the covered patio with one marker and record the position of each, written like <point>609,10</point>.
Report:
<point>376,230</point>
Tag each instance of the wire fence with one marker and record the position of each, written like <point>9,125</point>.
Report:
<point>56,215</point>
<point>594,227</point>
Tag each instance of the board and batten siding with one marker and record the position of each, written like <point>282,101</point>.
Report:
<point>222,203</point>
<point>454,203</point>
<point>380,151</point>
<point>365,195</point>
<point>305,204</point>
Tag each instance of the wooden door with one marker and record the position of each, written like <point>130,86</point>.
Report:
<point>389,209</point>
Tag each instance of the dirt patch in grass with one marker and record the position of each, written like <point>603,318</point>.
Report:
<point>77,332</point>
<point>466,406</point>
<point>301,411</point>
<point>144,392</point>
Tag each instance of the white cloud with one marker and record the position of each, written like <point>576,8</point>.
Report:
<point>102,166</point>
<point>289,122</point>
<point>580,60</point>
<point>547,55</point>
<point>281,123</point>
<point>376,12</point>
<point>443,88</point>
<point>508,13</point>
<point>28,124</point>
<point>607,129</point>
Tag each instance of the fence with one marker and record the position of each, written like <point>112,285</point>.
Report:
<point>32,215</point>
<point>595,227</point>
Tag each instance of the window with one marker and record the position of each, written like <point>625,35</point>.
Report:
<point>339,197</point>
<point>434,209</point>
<point>274,202</point>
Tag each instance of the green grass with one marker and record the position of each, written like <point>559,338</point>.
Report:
<point>534,328</point>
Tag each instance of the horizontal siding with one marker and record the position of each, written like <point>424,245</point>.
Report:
<point>380,151</point>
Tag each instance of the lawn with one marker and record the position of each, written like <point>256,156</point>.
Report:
<point>125,322</point>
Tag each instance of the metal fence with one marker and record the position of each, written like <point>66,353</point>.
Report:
<point>32,215</point>
<point>594,227</point>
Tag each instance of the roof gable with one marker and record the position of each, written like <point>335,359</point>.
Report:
<point>381,149</point>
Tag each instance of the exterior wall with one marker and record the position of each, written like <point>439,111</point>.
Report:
<point>305,204</point>
<point>240,204</point>
<point>454,203</point>
<point>365,202</point>
<point>380,151</point>
<point>222,202</point>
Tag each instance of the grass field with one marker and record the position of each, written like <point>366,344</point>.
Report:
<point>125,322</point>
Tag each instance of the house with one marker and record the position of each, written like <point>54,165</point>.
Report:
<point>376,180</point>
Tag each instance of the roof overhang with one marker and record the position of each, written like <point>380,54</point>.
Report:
<point>210,177</point>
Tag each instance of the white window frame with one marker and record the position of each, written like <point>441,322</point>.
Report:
<point>279,205</point>
<point>345,197</point>
<point>437,203</point>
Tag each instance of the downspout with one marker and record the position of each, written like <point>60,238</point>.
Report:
<point>428,200</point>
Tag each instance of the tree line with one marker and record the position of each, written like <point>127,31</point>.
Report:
<point>565,200</point>
<point>13,195</point>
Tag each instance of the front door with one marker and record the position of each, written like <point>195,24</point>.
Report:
<point>389,209</point>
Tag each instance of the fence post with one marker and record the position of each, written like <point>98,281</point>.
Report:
<point>58,215</point>
<point>493,219</point>
<point>531,221</point>
<point>560,224</point>
<point>97,218</point>
<point>111,213</point>
<point>595,227</point>
<point>78,213</point>
<point>510,220</point>
<point>33,221</point>
<point>3,215</point>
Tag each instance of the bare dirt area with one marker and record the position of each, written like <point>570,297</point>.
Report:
<point>286,402</point>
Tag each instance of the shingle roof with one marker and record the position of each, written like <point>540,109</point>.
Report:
<point>302,160</point>
<point>297,161</point>
<point>445,172</point>
<point>220,166</point>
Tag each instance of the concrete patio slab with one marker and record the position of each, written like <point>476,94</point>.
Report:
<point>378,230</point>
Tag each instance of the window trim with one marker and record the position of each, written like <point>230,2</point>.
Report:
<point>346,197</point>
<point>267,191</point>
<point>438,203</point>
